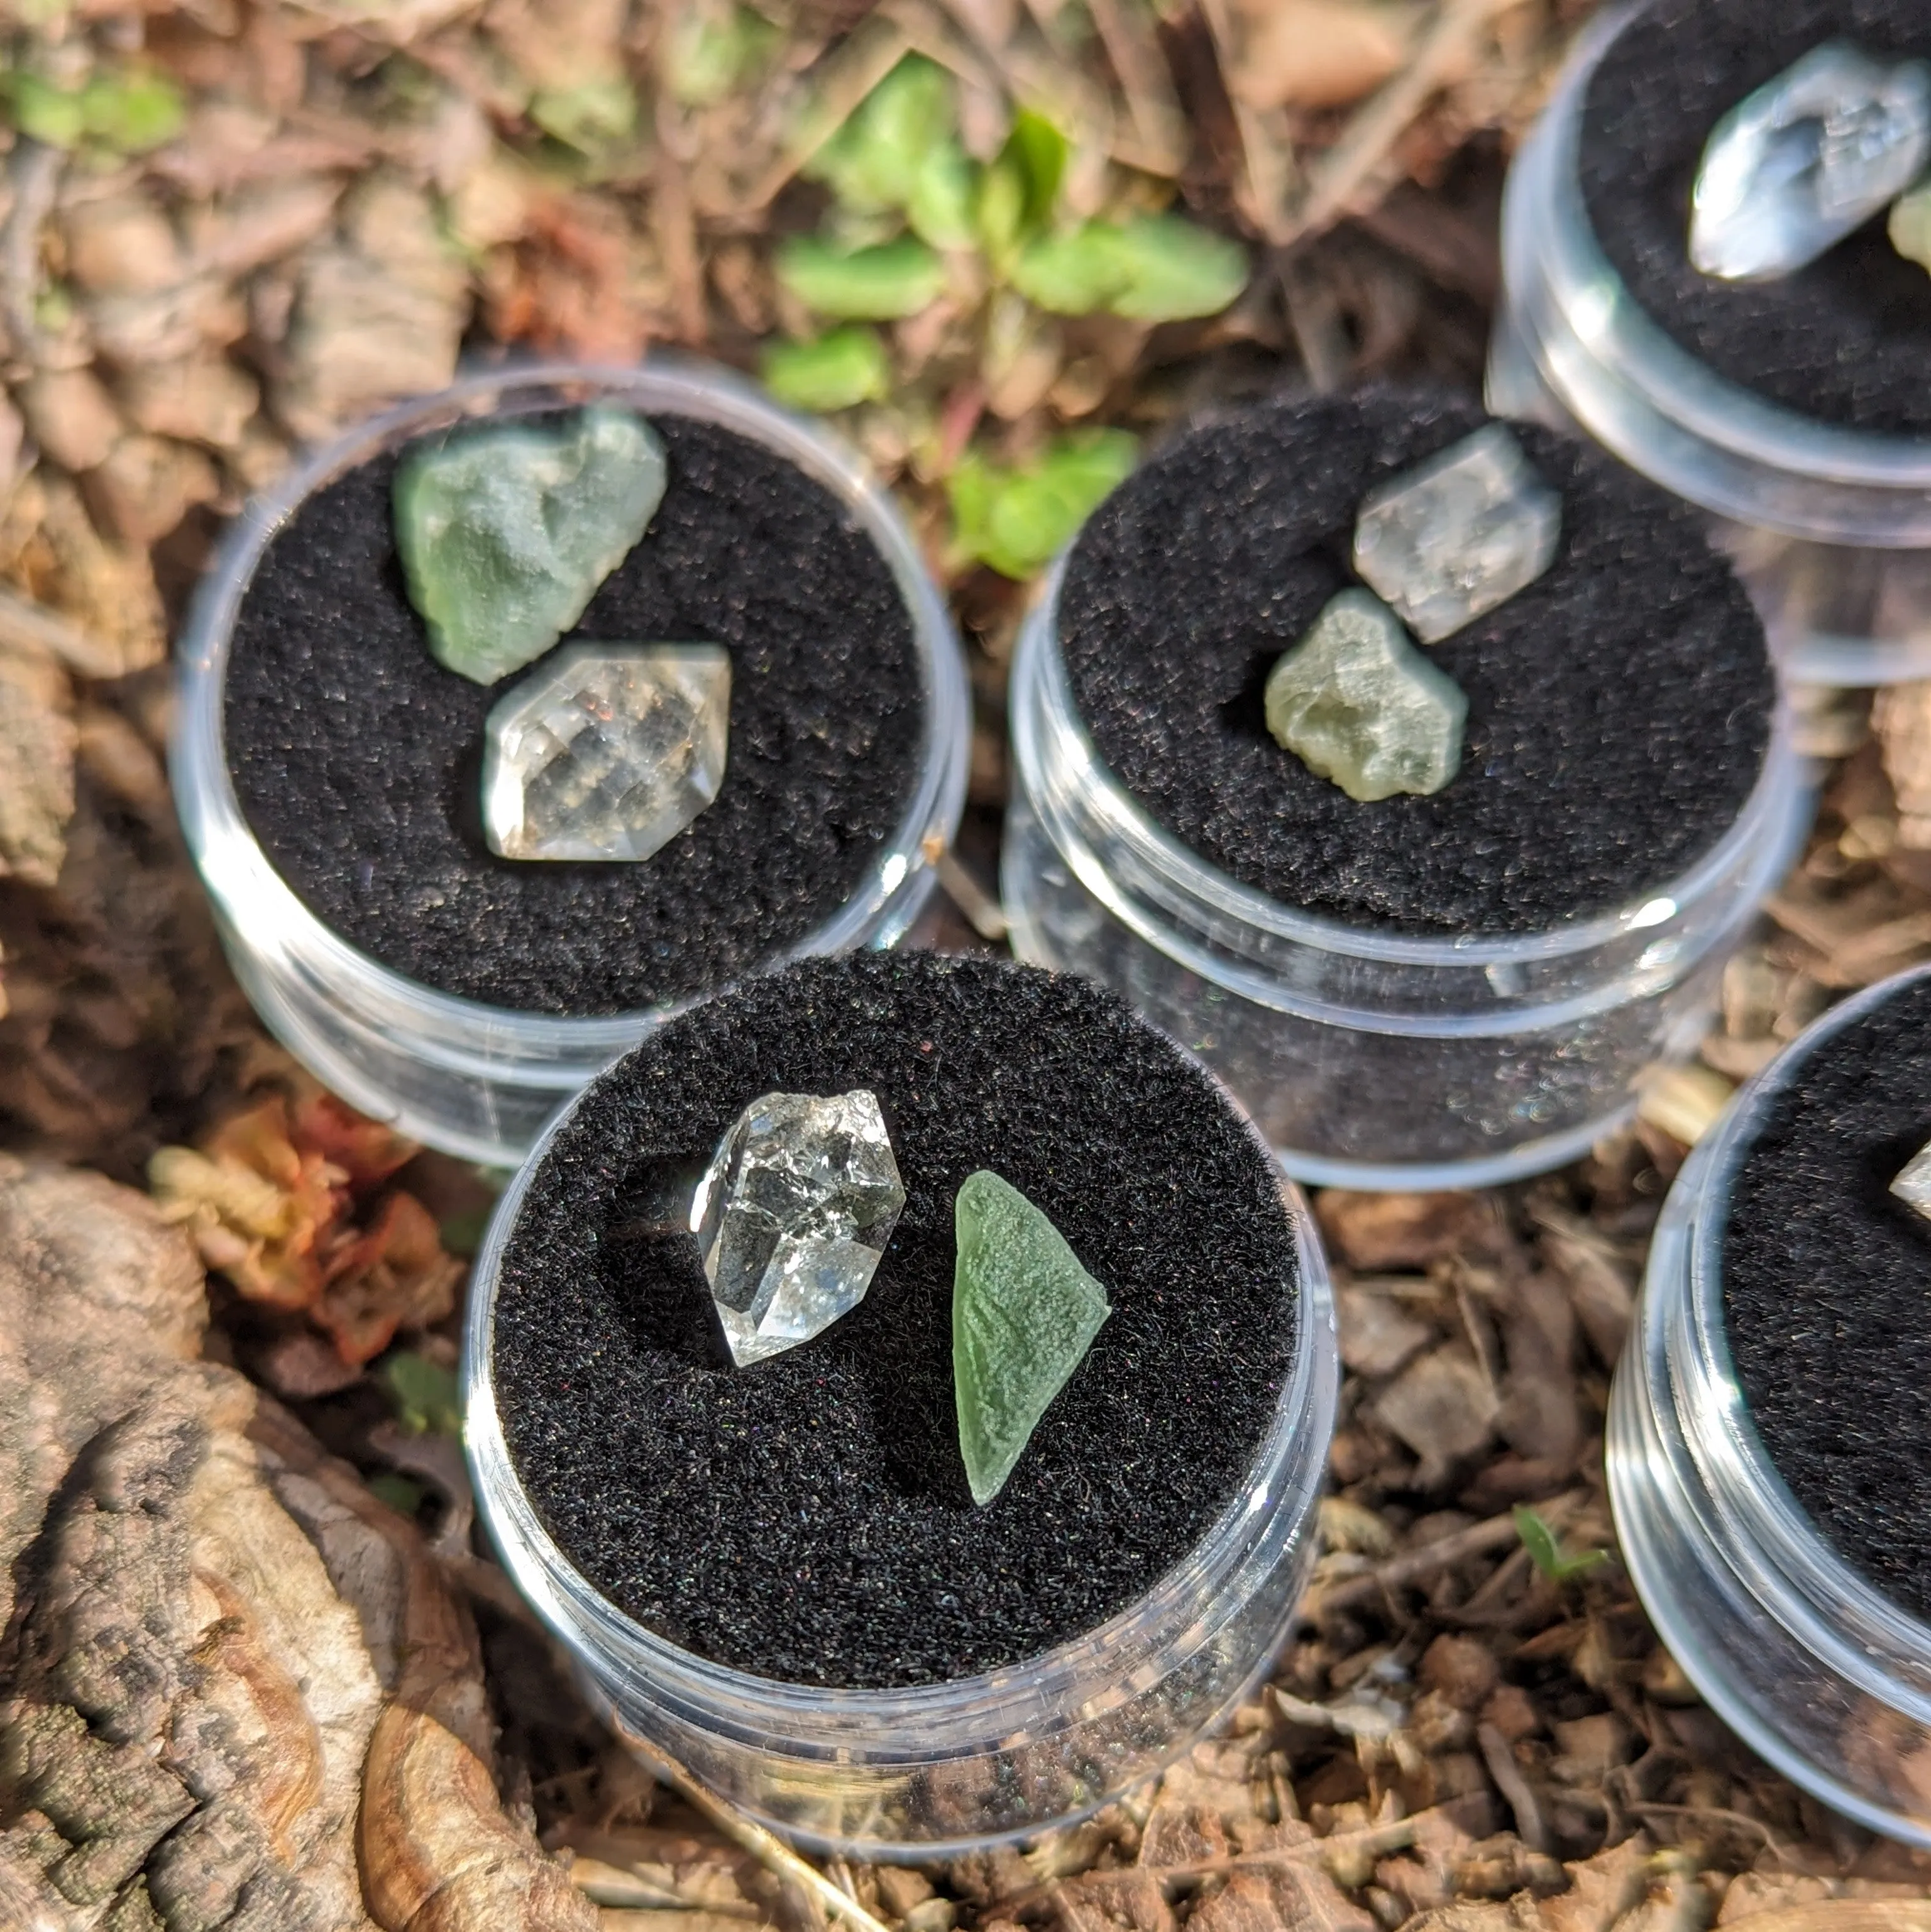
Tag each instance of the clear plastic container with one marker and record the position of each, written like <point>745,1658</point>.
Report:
<point>1823,1677</point>
<point>1369,1059</point>
<point>942,1769</point>
<point>1830,526</point>
<point>477,1080</point>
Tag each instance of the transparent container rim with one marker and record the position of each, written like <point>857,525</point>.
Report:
<point>1039,661</point>
<point>1618,350</point>
<point>266,910</point>
<point>1631,1500</point>
<point>1815,1590</point>
<point>960,1717</point>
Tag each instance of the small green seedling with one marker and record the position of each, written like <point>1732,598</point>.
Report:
<point>424,1392</point>
<point>1546,1553</point>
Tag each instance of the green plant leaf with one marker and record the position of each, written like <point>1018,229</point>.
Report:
<point>880,284</point>
<point>1546,1553</point>
<point>1158,268</point>
<point>837,371</point>
<point>873,161</point>
<point>1017,192</point>
<point>710,54</point>
<point>46,113</point>
<point>589,117</point>
<point>424,1392</point>
<point>1079,274</point>
<point>1017,520</point>
<point>1175,270</point>
<point>1041,151</point>
<point>940,205</point>
<point>132,112</point>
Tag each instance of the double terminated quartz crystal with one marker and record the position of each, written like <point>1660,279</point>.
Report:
<point>792,1215</point>
<point>608,752</point>
<point>1803,161</point>
<point>1451,539</point>
<point>1913,1186</point>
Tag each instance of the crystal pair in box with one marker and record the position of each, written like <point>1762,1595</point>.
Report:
<point>793,1215</point>
<point>1450,541</point>
<point>505,535</point>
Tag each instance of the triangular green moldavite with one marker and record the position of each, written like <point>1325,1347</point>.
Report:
<point>505,532</point>
<point>1024,1313</point>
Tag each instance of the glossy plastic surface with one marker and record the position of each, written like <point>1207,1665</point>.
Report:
<point>1370,1059</point>
<point>1830,526</point>
<point>477,1080</point>
<point>936,1771</point>
<point>1821,1676</point>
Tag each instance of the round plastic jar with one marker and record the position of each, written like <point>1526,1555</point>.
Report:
<point>474,1080</point>
<point>1830,526</point>
<point>938,1770</point>
<point>1823,1677</point>
<point>1370,1059</point>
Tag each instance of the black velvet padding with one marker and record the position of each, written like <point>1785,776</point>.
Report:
<point>1827,1291</point>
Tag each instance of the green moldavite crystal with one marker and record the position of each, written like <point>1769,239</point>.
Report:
<point>1911,226</point>
<point>1356,702</point>
<point>506,533</point>
<point>1024,1313</point>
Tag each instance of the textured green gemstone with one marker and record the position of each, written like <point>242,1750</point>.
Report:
<point>505,533</point>
<point>1911,226</point>
<point>1024,1313</point>
<point>1356,702</point>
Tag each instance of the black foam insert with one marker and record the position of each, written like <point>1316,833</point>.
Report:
<point>1846,340</point>
<point>357,757</point>
<point>1619,708</point>
<point>1827,1280</point>
<point>807,1518</point>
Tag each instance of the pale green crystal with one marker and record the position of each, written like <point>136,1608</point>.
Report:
<point>1911,226</point>
<point>1024,1313</point>
<point>1357,703</point>
<point>505,533</point>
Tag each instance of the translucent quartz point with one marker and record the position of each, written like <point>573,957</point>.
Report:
<point>1024,1313</point>
<point>506,533</point>
<point>1356,702</point>
<point>608,752</point>
<point>1456,535</point>
<point>1806,159</point>
<point>792,1215</point>
<point>1913,1186</point>
<point>1911,226</point>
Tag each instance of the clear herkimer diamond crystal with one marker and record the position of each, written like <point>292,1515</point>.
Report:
<point>609,752</point>
<point>1451,539</point>
<point>1806,159</point>
<point>792,1215</point>
<point>1355,702</point>
<point>1913,1186</point>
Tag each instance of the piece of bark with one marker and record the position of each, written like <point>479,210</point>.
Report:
<point>71,416</point>
<point>1370,1232</point>
<point>38,737</point>
<point>380,313</point>
<point>238,1693</point>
